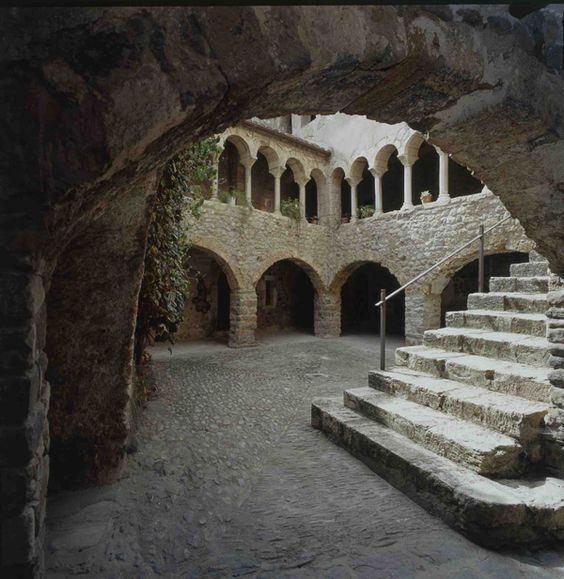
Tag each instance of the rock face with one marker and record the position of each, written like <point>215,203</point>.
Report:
<point>97,99</point>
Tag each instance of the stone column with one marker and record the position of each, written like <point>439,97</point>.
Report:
<point>444,196</point>
<point>215,180</point>
<point>422,312</point>
<point>354,200</point>
<point>248,164</point>
<point>277,173</point>
<point>407,165</point>
<point>327,315</point>
<point>243,318</point>
<point>378,201</point>
<point>302,186</point>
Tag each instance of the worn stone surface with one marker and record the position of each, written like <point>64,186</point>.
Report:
<point>96,98</point>
<point>231,479</point>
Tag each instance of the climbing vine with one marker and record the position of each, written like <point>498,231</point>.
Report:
<point>165,284</point>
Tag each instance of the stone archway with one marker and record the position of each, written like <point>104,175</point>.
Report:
<point>87,125</point>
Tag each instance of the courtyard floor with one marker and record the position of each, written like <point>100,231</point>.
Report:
<point>230,480</point>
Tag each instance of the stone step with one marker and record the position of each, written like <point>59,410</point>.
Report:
<point>508,346</point>
<point>491,513</point>
<point>536,256</point>
<point>511,415</point>
<point>509,301</point>
<point>538,284</point>
<point>487,452</point>
<point>531,269</point>
<point>512,378</point>
<point>500,321</point>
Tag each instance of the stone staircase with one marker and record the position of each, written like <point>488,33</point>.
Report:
<point>458,423</point>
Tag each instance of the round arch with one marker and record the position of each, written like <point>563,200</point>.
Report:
<point>241,145</point>
<point>235,277</point>
<point>271,156</point>
<point>297,169</point>
<point>312,272</point>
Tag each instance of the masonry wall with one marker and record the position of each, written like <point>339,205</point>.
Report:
<point>405,242</point>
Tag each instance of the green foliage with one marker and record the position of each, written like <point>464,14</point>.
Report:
<point>239,196</point>
<point>365,211</point>
<point>290,208</point>
<point>165,284</point>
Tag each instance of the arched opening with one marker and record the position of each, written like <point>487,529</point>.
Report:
<point>461,180</point>
<point>231,173</point>
<point>345,198</point>
<point>312,212</point>
<point>285,299</point>
<point>207,307</point>
<point>425,176</point>
<point>465,280</point>
<point>289,189</point>
<point>262,192</point>
<point>360,293</point>
<point>365,191</point>
<point>392,184</point>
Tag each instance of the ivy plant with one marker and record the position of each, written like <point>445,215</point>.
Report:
<point>290,208</point>
<point>165,284</point>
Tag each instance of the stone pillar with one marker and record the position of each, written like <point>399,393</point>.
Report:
<point>24,430</point>
<point>277,173</point>
<point>422,312</point>
<point>248,164</point>
<point>354,199</point>
<point>327,314</point>
<point>302,186</point>
<point>215,180</point>
<point>444,196</point>
<point>554,447</point>
<point>407,165</point>
<point>243,318</point>
<point>378,201</point>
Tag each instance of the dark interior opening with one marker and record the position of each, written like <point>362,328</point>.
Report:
<point>392,184</point>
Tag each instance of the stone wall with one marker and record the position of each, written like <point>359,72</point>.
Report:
<point>249,241</point>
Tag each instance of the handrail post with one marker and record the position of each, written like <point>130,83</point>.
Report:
<point>382,329</point>
<point>481,261</point>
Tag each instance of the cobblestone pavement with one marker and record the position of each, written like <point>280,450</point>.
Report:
<point>230,480</point>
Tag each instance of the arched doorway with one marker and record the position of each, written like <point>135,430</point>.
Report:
<point>207,307</point>
<point>425,175</point>
<point>285,299</point>
<point>262,184</point>
<point>231,173</point>
<point>465,280</point>
<point>360,293</point>
<point>392,184</point>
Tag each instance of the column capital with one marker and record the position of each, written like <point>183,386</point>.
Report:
<point>378,170</point>
<point>276,172</point>
<point>248,161</point>
<point>352,181</point>
<point>406,160</point>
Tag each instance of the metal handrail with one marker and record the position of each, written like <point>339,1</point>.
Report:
<point>384,298</point>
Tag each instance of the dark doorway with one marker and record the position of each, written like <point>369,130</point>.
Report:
<point>465,280</point>
<point>223,303</point>
<point>359,295</point>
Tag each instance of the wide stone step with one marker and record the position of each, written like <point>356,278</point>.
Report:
<point>492,513</point>
<point>531,269</point>
<point>509,301</point>
<point>499,321</point>
<point>531,285</point>
<point>501,345</point>
<point>512,378</point>
<point>487,452</point>
<point>511,415</point>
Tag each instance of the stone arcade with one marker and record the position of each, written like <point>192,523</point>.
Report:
<point>96,100</point>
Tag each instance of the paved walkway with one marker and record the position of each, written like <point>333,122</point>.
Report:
<point>230,480</point>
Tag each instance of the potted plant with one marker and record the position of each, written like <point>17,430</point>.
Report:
<point>290,208</point>
<point>426,197</point>
<point>365,211</point>
<point>314,219</point>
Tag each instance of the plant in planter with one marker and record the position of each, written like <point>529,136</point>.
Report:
<point>426,197</point>
<point>290,208</point>
<point>239,196</point>
<point>365,211</point>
